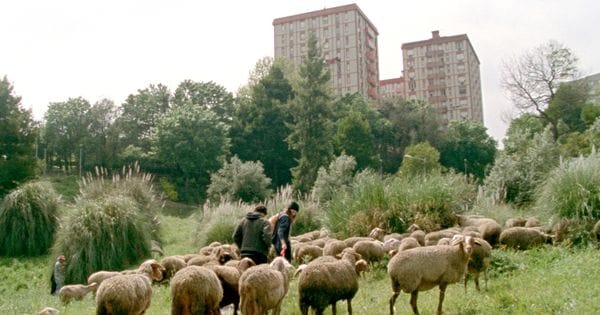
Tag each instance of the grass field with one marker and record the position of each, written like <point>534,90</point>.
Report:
<point>549,280</point>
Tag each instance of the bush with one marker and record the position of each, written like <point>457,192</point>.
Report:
<point>169,188</point>
<point>239,180</point>
<point>28,220</point>
<point>571,190</point>
<point>334,179</point>
<point>217,223</point>
<point>106,233</point>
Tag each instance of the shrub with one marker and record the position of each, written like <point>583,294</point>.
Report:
<point>217,223</point>
<point>106,233</point>
<point>239,180</point>
<point>169,188</point>
<point>28,220</point>
<point>335,179</point>
<point>571,190</point>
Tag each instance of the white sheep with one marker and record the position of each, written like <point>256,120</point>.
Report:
<point>377,233</point>
<point>195,290</point>
<point>129,292</point>
<point>263,287</point>
<point>423,268</point>
<point>307,250</point>
<point>524,238</point>
<point>488,228</point>
<point>327,280</point>
<point>75,291</point>
<point>334,247</point>
<point>371,251</point>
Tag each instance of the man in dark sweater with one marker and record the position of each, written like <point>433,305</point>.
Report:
<point>283,226</point>
<point>253,235</point>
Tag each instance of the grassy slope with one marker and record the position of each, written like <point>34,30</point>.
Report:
<point>544,281</point>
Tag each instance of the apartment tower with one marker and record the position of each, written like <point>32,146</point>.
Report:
<point>444,71</point>
<point>348,42</point>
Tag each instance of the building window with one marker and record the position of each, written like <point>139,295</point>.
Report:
<point>302,25</point>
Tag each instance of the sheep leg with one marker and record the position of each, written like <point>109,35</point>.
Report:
<point>413,301</point>
<point>485,275</point>
<point>442,294</point>
<point>304,309</point>
<point>476,279</point>
<point>333,309</point>
<point>349,307</point>
<point>466,280</point>
<point>392,301</point>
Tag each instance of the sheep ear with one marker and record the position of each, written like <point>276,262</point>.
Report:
<point>476,241</point>
<point>457,239</point>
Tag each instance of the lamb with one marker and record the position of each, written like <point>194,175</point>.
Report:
<point>48,311</point>
<point>195,290</point>
<point>128,293</point>
<point>423,268</point>
<point>75,291</point>
<point>263,287</point>
<point>479,262</point>
<point>524,238</point>
<point>371,251</point>
<point>326,280</point>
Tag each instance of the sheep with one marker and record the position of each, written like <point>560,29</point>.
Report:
<point>307,250</point>
<point>444,241</point>
<point>432,238</point>
<point>512,222</point>
<point>75,291</point>
<point>326,280</point>
<point>354,239</point>
<point>361,266</point>
<point>129,292</point>
<point>145,267</point>
<point>391,244</point>
<point>524,238</point>
<point>263,287</point>
<point>48,311</point>
<point>395,236</point>
<point>488,228</point>
<point>419,235</point>
<point>99,276</point>
<point>370,251</point>
<point>532,222</point>
<point>479,261</point>
<point>423,268</point>
<point>334,247</point>
<point>596,231</point>
<point>229,277</point>
<point>320,242</point>
<point>377,233</point>
<point>220,255</point>
<point>196,290</point>
<point>408,243</point>
<point>172,264</point>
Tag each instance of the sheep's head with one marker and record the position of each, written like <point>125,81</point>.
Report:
<point>153,269</point>
<point>245,263</point>
<point>377,233</point>
<point>466,242</point>
<point>349,254</point>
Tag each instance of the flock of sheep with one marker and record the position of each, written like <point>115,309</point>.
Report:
<point>215,277</point>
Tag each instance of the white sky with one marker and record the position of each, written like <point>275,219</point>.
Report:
<point>53,50</point>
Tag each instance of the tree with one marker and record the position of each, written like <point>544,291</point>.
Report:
<point>192,143</point>
<point>337,178</point>
<point>468,148</point>
<point>533,79</point>
<point>17,138</point>
<point>568,103</point>
<point>66,127</point>
<point>209,95</point>
<point>237,180</point>
<point>354,137</point>
<point>311,127</point>
<point>259,127</point>
<point>419,159</point>
<point>101,139</point>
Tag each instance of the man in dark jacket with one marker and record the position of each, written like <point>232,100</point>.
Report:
<point>281,237</point>
<point>253,235</point>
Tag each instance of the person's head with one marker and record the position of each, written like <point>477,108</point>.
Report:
<point>61,258</point>
<point>261,209</point>
<point>293,209</point>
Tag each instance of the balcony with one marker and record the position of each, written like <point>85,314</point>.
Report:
<point>372,92</point>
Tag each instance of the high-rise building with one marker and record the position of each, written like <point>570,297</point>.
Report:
<point>348,42</point>
<point>444,71</point>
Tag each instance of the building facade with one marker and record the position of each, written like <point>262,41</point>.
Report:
<point>444,71</point>
<point>392,88</point>
<point>348,42</point>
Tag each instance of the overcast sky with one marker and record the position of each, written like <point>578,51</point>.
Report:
<point>54,50</point>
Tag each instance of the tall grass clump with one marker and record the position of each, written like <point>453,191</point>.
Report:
<point>28,220</point>
<point>572,192</point>
<point>217,222</point>
<point>130,182</point>
<point>106,233</point>
<point>362,207</point>
<point>430,200</point>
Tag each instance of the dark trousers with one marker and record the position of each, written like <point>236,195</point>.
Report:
<point>258,258</point>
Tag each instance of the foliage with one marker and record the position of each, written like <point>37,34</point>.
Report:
<point>514,177</point>
<point>207,95</point>
<point>354,137</point>
<point>192,143</point>
<point>169,189</point>
<point>259,126</point>
<point>311,127</point>
<point>571,190</point>
<point>17,138</point>
<point>567,104</point>
<point>468,148</point>
<point>533,79</point>
<point>335,179</point>
<point>217,222</point>
<point>419,159</point>
<point>28,220</point>
<point>104,233</point>
<point>65,130</point>
<point>239,180</point>
<point>100,145</point>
